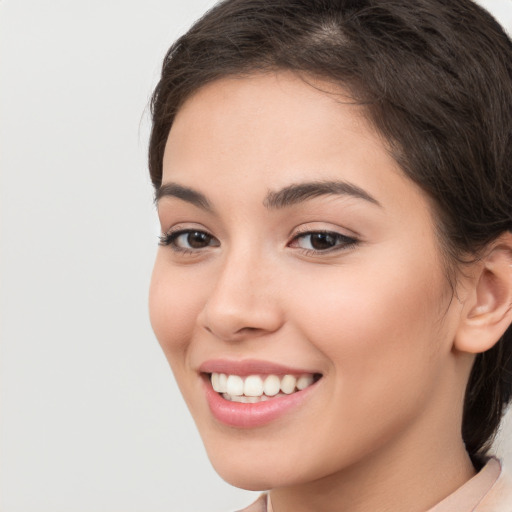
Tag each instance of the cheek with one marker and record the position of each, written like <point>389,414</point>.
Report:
<point>174,305</point>
<point>379,326</point>
<point>381,337</point>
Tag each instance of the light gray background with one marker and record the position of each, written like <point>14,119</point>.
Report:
<point>91,419</point>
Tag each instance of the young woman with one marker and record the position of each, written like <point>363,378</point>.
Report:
<point>333,289</point>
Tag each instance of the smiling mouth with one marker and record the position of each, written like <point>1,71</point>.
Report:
<point>259,388</point>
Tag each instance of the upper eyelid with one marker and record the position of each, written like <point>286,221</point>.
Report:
<point>185,226</point>
<point>176,232</point>
<point>308,229</point>
<point>345,244</point>
<point>181,231</point>
<point>301,231</point>
<point>325,232</point>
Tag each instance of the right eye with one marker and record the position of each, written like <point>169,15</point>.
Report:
<point>188,240</point>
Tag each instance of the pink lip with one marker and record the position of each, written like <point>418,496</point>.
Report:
<point>242,415</point>
<point>250,367</point>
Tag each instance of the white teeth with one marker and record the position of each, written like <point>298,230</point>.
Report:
<point>235,385</point>
<point>272,385</point>
<point>255,388</point>
<point>288,384</point>
<point>304,381</point>
<point>245,399</point>
<point>248,399</point>
<point>223,383</point>
<point>219,382</point>
<point>215,382</point>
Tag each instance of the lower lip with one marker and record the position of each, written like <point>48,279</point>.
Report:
<point>242,415</point>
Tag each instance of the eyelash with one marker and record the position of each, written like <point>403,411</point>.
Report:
<point>170,238</point>
<point>344,242</point>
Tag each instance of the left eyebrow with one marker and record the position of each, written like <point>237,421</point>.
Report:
<point>300,192</point>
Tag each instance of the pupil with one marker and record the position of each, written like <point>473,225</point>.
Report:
<point>198,239</point>
<point>322,241</point>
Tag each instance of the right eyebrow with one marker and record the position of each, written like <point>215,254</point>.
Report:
<point>185,194</point>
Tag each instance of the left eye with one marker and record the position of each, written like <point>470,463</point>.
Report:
<point>322,241</point>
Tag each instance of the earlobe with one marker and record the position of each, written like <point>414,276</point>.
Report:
<point>487,312</point>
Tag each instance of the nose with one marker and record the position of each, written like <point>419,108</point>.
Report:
<point>244,300</point>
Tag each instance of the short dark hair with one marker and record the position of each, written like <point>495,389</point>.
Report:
<point>436,80</point>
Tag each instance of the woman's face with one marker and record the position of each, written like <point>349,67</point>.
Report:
<point>294,246</point>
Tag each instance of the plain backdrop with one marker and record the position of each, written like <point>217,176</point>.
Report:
<point>91,419</point>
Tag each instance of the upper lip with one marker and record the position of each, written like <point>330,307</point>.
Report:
<point>246,367</point>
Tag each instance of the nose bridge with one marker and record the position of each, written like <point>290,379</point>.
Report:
<point>243,298</point>
<point>241,267</point>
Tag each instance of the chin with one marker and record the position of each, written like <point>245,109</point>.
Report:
<point>251,479</point>
<point>248,482</point>
<point>249,471</point>
<point>259,467</point>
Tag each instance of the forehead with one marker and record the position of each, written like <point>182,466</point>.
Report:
<point>269,122</point>
<point>260,93</point>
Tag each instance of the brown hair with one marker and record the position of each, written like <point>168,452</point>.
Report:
<point>436,79</point>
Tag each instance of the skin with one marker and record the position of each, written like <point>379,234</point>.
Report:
<point>381,431</point>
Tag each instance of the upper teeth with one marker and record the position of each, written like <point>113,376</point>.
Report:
<point>255,385</point>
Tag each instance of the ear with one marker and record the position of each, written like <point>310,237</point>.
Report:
<point>487,311</point>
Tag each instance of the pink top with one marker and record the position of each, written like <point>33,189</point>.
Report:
<point>490,490</point>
